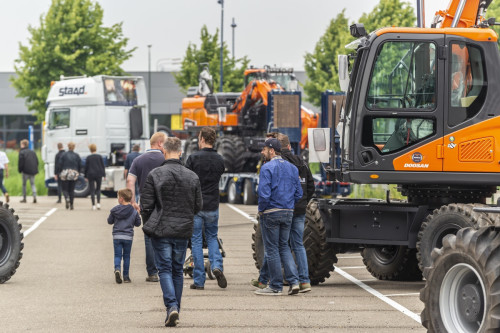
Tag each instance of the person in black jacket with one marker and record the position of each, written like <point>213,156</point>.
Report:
<point>57,171</point>
<point>94,172</point>
<point>71,164</point>
<point>170,198</point>
<point>28,167</point>
<point>209,166</point>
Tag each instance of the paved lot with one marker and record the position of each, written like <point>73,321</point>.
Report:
<point>65,283</point>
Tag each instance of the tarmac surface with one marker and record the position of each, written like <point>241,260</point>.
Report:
<point>66,284</point>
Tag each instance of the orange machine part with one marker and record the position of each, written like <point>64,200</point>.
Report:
<point>308,121</point>
<point>471,33</point>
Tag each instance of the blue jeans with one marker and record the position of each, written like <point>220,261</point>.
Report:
<point>170,254</point>
<point>297,245</point>
<point>208,221</point>
<point>122,250</point>
<point>275,233</point>
<point>2,187</point>
<point>150,256</point>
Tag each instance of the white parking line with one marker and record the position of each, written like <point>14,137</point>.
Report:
<point>39,221</point>
<point>352,267</point>
<point>242,213</point>
<point>407,294</point>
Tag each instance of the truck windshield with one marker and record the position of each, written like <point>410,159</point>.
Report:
<point>120,92</point>
<point>58,119</point>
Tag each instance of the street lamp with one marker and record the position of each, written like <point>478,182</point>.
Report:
<point>149,77</point>
<point>221,41</point>
<point>233,26</point>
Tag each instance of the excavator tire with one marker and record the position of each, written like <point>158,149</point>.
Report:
<point>232,149</point>
<point>396,263</point>
<point>11,244</point>
<point>257,246</point>
<point>446,220</point>
<point>460,294</point>
<point>190,147</point>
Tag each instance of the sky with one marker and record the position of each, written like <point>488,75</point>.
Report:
<point>269,32</point>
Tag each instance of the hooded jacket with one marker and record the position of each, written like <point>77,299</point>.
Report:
<point>28,162</point>
<point>124,218</point>
<point>306,180</point>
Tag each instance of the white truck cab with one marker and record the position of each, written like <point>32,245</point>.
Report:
<point>108,111</point>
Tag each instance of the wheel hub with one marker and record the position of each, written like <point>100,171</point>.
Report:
<point>469,303</point>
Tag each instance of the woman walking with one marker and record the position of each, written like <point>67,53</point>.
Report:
<point>71,165</point>
<point>94,171</point>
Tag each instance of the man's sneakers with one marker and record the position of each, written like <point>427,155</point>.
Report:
<point>172,317</point>
<point>118,276</point>
<point>268,292</point>
<point>193,286</point>
<point>126,279</point>
<point>257,284</point>
<point>221,279</point>
<point>294,289</point>
<point>152,278</point>
<point>305,287</point>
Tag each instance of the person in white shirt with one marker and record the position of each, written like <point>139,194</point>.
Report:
<point>4,172</point>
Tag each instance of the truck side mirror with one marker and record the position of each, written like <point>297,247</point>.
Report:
<point>319,145</point>
<point>343,72</point>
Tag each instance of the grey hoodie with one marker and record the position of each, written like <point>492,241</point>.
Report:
<point>124,218</point>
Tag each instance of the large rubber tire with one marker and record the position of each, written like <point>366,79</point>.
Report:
<point>321,256</point>
<point>232,149</point>
<point>396,263</point>
<point>233,197</point>
<point>249,197</point>
<point>257,246</point>
<point>190,147</point>
<point>82,188</point>
<point>446,220</point>
<point>165,129</point>
<point>11,244</point>
<point>461,290</point>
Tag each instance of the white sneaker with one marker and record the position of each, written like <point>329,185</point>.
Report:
<point>98,206</point>
<point>93,208</point>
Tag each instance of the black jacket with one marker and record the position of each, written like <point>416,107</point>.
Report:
<point>209,166</point>
<point>306,180</point>
<point>71,160</point>
<point>169,200</point>
<point>57,166</point>
<point>28,162</point>
<point>94,166</point>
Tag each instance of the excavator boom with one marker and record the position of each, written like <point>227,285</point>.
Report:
<point>462,13</point>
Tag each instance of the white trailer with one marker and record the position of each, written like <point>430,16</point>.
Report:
<point>109,111</point>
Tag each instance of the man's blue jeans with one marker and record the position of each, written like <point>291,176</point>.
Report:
<point>275,233</point>
<point>170,254</point>
<point>297,245</point>
<point>122,249</point>
<point>150,256</point>
<point>208,221</point>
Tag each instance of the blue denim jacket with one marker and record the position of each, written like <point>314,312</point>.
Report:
<point>279,185</point>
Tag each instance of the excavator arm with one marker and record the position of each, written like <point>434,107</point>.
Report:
<point>462,14</point>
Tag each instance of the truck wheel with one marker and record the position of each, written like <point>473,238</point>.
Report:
<point>165,129</point>
<point>232,149</point>
<point>257,246</point>
<point>190,147</point>
<point>397,263</point>
<point>82,189</point>
<point>11,245</point>
<point>446,220</point>
<point>462,283</point>
<point>249,197</point>
<point>232,193</point>
<point>321,256</point>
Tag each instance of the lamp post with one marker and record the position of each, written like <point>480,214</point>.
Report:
<point>233,26</point>
<point>149,77</point>
<point>221,41</point>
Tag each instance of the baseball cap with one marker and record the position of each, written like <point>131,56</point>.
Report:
<point>271,143</point>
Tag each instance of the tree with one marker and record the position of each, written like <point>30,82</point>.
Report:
<point>209,53</point>
<point>70,41</point>
<point>321,66</point>
<point>494,11</point>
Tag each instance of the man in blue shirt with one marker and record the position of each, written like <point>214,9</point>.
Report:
<point>279,190</point>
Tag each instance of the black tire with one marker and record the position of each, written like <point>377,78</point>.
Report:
<point>190,147</point>
<point>11,244</point>
<point>396,263</point>
<point>232,193</point>
<point>446,220</point>
<point>165,129</point>
<point>461,287</point>
<point>249,197</point>
<point>232,149</point>
<point>82,188</point>
<point>257,246</point>
<point>208,270</point>
<point>321,256</point>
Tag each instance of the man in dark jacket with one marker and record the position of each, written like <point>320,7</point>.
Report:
<point>170,199</point>
<point>209,166</point>
<point>28,167</point>
<point>57,170</point>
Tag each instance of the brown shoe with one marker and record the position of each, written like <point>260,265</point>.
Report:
<point>7,196</point>
<point>152,278</point>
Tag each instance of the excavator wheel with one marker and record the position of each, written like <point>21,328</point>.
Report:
<point>446,220</point>
<point>232,149</point>
<point>190,147</point>
<point>11,244</point>
<point>396,263</point>
<point>257,246</point>
<point>460,294</point>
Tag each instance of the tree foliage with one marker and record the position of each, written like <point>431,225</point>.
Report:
<point>494,11</point>
<point>209,52</point>
<point>70,41</point>
<point>321,65</point>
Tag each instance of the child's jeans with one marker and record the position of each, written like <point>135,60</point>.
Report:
<point>122,249</point>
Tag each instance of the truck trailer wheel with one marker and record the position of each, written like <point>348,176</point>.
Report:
<point>446,220</point>
<point>249,197</point>
<point>190,147</point>
<point>82,188</point>
<point>11,245</point>
<point>397,263</point>
<point>461,288</point>
<point>233,196</point>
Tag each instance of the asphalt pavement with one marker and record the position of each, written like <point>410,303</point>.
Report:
<point>66,284</point>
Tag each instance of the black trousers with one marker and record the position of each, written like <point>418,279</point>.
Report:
<point>68,187</point>
<point>95,189</point>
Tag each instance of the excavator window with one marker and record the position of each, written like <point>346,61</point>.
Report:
<point>403,77</point>
<point>467,82</point>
